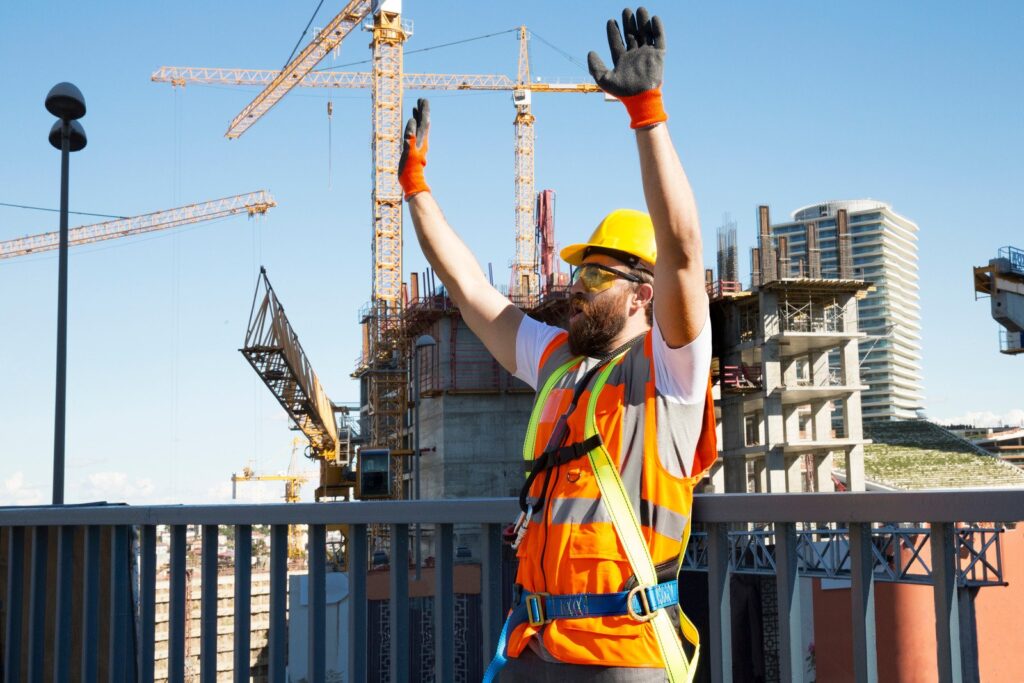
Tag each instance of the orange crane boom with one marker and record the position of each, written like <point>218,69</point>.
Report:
<point>252,203</point>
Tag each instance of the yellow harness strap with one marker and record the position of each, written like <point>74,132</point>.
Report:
<point>613,495</point>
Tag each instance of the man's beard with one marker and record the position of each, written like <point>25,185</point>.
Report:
<point>600,321</point>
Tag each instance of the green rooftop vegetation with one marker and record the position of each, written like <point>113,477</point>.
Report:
<point>918,454</point>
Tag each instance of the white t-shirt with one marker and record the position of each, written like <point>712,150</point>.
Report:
<point>679,374</point>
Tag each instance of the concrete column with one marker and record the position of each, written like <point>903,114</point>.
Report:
<point>735,474</point>
<point>823,466</point>
<point>855,468</point>
<point>819,367</point>
<point>760,476</point>
<point>794,473</point>
<point>774,432</point>
<point>791,419</point>
<point>789,371</point>
<point>822,420</point>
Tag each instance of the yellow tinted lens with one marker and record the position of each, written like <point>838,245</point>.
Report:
<point>595,279</point>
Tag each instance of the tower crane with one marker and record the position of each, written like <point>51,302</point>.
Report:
<point>382,366</point>
<point>253,203</point>
<point>524,281</point>
<point>293,482</point>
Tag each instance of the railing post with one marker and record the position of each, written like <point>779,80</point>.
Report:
<point>147,606</point>
<point>14,602</point>
<point>120,623</point>
<point>719,603</point>
<point>278,638</point>
<point>490,590</point>
<point>243,601</point>
<point>444,605</point>
<point>63,627</point>
<point>208,606</point>
<point>317,606</point>
<point>176,610</point>
<point>786,582</point>
<point>357,559</point>
<point>37,603</point>
<point>90,603</point>
<point>399,580</point>
<point>862,603</point>
<point>947,617</point>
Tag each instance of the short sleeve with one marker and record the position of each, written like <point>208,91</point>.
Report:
<point>532,339</point>
<point>682,374</point>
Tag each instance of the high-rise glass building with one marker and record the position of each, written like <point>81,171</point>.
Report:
<point>884,252</point>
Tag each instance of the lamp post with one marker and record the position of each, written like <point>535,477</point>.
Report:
<point>424,341</point>
<point>64,101</point>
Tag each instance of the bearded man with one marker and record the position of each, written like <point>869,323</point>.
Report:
<point>623,424</point>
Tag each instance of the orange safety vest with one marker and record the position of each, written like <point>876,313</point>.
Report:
<point>571,545</point>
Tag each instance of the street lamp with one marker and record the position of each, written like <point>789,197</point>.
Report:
<point>64,101</point>
<point>424,341</point>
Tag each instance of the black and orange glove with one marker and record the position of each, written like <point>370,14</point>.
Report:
<point>638,65</point>
<point>414,151</point>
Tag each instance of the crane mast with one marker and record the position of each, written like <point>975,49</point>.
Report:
<point>524,287</point>
<point>385,369</point>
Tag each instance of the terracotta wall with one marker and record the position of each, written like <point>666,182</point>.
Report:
<point>905,627</point>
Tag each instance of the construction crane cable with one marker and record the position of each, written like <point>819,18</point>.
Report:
<point>304,32</point>
<point>559,50</point>
<point>43,208</point>
<point>334,67</point>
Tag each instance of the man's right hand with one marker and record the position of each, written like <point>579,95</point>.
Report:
<point>414,151</point>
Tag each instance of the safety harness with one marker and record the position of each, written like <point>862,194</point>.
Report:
<point>647,600</point>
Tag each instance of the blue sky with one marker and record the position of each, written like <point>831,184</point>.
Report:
<point>784,103</point>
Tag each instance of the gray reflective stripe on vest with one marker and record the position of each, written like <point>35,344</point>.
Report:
<point>590,511</point>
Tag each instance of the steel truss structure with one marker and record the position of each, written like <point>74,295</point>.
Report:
<point>900,554</point>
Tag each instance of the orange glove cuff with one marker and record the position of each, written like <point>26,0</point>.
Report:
<point>645,109</point>
<point>411,179</point>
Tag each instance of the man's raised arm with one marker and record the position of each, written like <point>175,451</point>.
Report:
<point>490,315</point>
<point>680,299</point>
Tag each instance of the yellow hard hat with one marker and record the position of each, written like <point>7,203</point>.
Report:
<point>623,233</point>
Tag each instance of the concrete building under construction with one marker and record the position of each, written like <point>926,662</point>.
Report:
<point>788,369</point>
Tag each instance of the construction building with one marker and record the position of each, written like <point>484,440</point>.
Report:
<point>883,252</point>
<point>788,364</point>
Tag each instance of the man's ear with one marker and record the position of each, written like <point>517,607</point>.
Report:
<point>643,295</point>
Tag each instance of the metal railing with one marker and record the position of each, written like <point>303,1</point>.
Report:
<point>782,544</point>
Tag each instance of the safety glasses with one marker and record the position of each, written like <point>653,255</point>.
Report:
<point>596,278</point>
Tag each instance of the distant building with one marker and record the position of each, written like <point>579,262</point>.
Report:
<point>883,251</point>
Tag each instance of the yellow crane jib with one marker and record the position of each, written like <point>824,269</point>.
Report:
<point>273,350</point>
<point>252,204</point>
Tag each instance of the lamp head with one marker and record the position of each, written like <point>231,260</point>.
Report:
<point>65,101</point>
<point>76,132</point>
<point>425,340</point>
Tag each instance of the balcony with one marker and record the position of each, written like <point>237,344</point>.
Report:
<point>940,539</point>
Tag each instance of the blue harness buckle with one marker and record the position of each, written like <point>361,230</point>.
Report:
<point>535,609</point>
